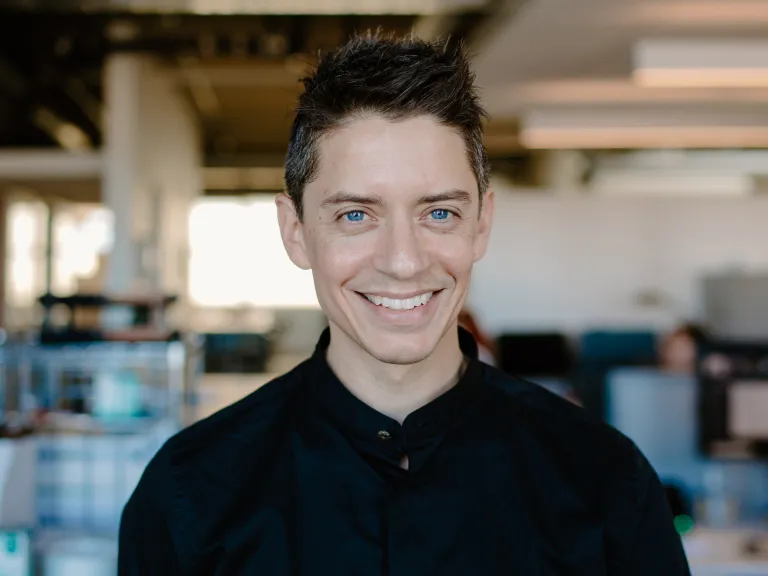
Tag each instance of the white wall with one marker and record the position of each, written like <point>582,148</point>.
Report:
<point>571,262</point>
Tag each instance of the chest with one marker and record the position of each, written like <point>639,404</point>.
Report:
<point>320,514</point>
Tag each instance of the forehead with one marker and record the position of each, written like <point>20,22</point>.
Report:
<point>376,155</point>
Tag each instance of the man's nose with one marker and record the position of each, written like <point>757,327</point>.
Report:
<point>400,251</point>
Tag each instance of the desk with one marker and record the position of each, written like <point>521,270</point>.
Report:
<point>731,568</point>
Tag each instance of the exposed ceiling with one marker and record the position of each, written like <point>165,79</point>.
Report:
<point>534,59</point>
<point>581,51</point>
<point>568,56</point>
<point>241,70</point>
<point>263,7</point>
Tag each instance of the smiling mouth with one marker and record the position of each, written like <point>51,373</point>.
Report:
<point>397,303</point>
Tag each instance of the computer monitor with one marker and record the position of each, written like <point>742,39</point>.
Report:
<point>733,399</point>
<point>235,353</point>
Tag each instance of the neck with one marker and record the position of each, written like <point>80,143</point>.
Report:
<point>392,389</point>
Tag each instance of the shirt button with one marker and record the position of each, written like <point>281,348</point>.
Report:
<point>384,435</point>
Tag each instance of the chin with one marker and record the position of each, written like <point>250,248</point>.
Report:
<point>399,350</point>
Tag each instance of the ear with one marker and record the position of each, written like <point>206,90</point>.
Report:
<point>292,231</point>
<point>484,225</point>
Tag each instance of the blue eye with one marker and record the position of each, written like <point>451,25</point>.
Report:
<point>440,214</point>
<point>354,216</point>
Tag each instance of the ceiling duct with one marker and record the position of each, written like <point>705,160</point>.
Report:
<point>701,63</point>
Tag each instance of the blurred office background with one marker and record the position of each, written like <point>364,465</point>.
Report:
<point>145,286</point>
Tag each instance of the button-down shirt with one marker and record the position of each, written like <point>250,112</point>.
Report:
<point>302,478</point>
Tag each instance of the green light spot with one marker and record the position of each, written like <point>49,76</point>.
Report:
<point>683,524</point>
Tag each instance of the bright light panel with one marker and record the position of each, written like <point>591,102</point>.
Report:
<point>25,265</point>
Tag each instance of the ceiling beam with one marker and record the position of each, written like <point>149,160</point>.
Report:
<point>513,99</point>
<point>49,164</point>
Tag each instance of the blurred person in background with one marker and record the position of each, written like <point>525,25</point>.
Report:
<point>393,449</point>
<point>678,350</point>
<point>486,348</point>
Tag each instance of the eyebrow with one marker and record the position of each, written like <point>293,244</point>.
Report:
<point>451,195</point>
<point>376,200</point>
<point>350,198</point>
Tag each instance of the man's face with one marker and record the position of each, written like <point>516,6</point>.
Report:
<point>392,227</point>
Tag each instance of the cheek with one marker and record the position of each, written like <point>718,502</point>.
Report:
<point>455,255</point>
<point>686,351</point>
<point>339,259</point>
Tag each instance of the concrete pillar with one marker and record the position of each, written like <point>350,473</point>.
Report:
<point>120,177</point>
<point>152,172</point>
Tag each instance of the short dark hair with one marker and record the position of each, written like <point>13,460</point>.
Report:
<point>696,332</point>
<point>395,77</point>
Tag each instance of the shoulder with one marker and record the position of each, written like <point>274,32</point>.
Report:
<point>247,420</point>
<point>200,471</point>
<point>582,450</point>
<point>581,468</point>
<point>552,415</point>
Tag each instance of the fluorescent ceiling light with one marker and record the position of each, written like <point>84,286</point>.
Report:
<point>689,13</point>
<point>701,63</point>
<point>628,127</point>
<point>69,136</point>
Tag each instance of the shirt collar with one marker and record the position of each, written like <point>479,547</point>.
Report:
<point>371,430</point>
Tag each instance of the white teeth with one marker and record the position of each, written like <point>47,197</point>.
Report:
<point>395,304</point>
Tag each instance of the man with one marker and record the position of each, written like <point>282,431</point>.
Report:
<point>393,450</point>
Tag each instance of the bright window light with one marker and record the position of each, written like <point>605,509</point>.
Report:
<point>81,235</point>
<point>237,257</point>
<point>25,265</point>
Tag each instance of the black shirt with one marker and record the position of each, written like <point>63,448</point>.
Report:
<point>302,478</point>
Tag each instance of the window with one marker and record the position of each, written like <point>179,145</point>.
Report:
<point>25,266</point>
<point>237,257</point>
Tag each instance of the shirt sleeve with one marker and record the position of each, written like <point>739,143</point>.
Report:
<point>146,545</point>
<point>643,540</point>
